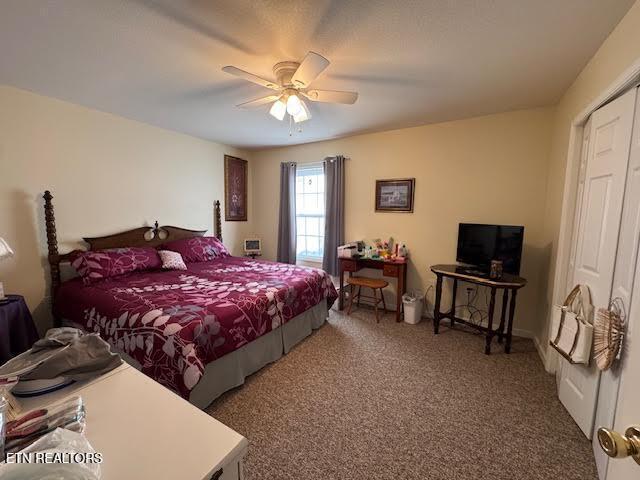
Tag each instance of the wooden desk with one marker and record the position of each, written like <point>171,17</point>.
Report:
<point>509,283</point>
<point>390,268</point>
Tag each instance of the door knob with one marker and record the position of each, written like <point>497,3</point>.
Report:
<point>620,446</point>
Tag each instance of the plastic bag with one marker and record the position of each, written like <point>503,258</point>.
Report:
<point>408,298</point>
<point>412,297</point>
<point>28,428</point>
<point>59,443</point>
<point>6,385</point>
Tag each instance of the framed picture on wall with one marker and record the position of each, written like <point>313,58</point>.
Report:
<point>235,189</point>
<point>395,195</point>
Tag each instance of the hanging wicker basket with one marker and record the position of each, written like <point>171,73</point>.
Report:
<point>608,334</point>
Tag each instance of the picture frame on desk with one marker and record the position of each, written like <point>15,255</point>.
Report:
<point>395,195</point>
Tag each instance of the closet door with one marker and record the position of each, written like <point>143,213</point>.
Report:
<point>623,285</point>
<point>626,287</point>
<point>597,238</point>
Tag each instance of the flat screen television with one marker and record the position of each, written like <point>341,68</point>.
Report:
<point>478,244</point>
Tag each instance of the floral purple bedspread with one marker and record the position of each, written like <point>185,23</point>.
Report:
<point>175,322</point>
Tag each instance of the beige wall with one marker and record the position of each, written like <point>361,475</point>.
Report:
<point>617,53</point>
<point>106,173</point>
<point>490,169</point>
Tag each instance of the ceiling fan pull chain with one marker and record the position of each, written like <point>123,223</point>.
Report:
<point>290,122</point>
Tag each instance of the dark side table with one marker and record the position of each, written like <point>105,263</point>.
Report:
<point>507,283</point>
<point>17,330</point>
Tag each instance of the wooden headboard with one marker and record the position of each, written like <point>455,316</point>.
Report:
<point>138,237</point>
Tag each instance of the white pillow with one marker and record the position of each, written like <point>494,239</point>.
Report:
<point>171,260</point>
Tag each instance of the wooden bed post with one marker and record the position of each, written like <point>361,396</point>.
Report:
<point>52,244</point>
<point>217,221</point>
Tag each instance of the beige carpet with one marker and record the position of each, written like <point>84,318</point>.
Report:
<point>360,400</point>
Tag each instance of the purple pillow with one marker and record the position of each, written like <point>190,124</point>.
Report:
<point>198,249</point>
<point>96,265</point>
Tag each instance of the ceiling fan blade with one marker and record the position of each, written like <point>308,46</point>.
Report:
<point>259,101</point>
<point>331,96</point>
<point>312,66</point>
<point>250,77</point>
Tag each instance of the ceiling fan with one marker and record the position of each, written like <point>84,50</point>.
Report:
<point>293,81</point>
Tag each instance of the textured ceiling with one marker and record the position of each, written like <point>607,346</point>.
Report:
<point>413,62</point>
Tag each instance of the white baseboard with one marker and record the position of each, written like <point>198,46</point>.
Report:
<point>542,351</point>
<point>547,356</point>
<point>517,332</point>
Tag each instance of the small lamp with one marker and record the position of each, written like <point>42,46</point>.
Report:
<point>303,115</point>
<point>278,109</point>
<point>294,105</point>
<point>5,252</point>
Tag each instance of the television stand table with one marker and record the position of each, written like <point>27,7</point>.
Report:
<point>508,283</point>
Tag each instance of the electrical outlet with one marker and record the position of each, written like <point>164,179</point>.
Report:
<point>466,300</point>
<point>472,294</point>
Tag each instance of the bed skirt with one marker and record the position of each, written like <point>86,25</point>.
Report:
<point>231,370</point>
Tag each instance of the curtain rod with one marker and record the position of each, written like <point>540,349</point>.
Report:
<point>317,162</point>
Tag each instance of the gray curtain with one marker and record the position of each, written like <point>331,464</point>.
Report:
<point>334,212</point>
<point>287,222</point>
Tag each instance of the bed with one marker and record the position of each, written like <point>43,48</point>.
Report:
<point>200,331</point>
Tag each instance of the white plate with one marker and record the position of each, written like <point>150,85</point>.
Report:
<point>29,388</point>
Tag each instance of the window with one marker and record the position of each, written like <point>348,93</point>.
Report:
<point>310,211</point>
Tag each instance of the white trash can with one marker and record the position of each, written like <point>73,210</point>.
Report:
<point>412,307</point>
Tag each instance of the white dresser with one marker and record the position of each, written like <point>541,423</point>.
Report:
<point>145,431</point>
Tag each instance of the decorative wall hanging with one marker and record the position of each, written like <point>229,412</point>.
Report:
<point>395,195</point>
<point>608,333</point>
<point>235,189</point>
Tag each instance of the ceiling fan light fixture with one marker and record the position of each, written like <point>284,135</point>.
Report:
<point>294,105</point>
<point>292,84</point>
<point>304,113</point>
<point>278,109</point>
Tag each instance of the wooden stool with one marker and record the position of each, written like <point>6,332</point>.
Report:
<point>374,284</point>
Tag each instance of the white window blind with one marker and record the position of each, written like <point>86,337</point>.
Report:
<point>310,211</point>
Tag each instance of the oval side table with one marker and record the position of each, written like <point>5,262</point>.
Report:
<point>17,330</point>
